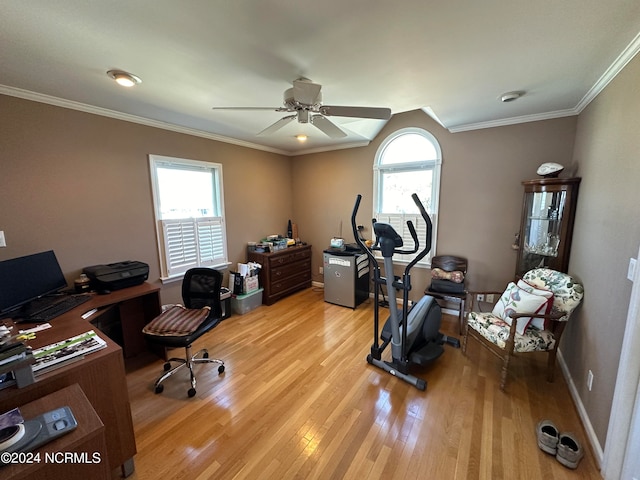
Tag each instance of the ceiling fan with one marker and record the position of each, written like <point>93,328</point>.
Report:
<point>304,100</point>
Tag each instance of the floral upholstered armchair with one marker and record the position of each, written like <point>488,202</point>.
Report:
<point>529,316</point>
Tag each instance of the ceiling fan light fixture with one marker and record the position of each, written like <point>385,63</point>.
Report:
<point>303,116</point>
<point>124,78</point>
<point>304,102</point>
<point>510,96</point>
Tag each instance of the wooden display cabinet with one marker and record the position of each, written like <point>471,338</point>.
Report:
<point>546,227</point>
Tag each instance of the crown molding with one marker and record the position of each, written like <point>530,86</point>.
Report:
<point>104,112</point>
<point>616,67</point>
<point>342,146</point>
<point>503,122</point>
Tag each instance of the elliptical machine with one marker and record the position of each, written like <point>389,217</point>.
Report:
<point>413,332</point>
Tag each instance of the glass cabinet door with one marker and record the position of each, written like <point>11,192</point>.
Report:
<point>541,235</point>
<point>547,224</point>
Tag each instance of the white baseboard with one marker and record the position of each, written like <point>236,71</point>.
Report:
<point>448,311</point>
<point>586,422</point>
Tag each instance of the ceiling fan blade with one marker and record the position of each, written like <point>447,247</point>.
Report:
<point>306,92</point>
<point>327,126</point>
<point>358,112</point>
<point>278,125</point>
<point>272,109</point>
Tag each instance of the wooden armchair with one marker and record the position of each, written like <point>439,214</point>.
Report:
<point>523,322</point>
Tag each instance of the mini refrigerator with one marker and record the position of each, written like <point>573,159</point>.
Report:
<point>346,277</point>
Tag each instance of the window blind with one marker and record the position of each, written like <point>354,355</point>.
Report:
<point>399,223</point>
<point>191,242</point>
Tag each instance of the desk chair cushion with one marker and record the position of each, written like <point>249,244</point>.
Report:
<point>177,321</point>
<point>496,330</point>
<point>446,286</point>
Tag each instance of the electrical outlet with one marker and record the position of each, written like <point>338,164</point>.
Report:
<point>480,297</point>
<point>489,297</point>
<point>590,380</point>
<point>321,270</point>
<point>3,241</point>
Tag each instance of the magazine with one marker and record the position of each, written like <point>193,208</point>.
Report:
<point>66,350</point>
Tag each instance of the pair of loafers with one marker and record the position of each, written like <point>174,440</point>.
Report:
<point>564,446</point>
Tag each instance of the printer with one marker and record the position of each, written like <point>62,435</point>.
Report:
<point>115,276</point>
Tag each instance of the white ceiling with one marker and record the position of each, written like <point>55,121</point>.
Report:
<point>451,58</point>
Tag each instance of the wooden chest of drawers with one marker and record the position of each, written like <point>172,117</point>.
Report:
<point>283,272</point>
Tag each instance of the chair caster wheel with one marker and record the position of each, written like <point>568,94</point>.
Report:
<point>159,389</point>
<point>221,369</point>
<point>191,392</point>
<point>167,367</point>
<point>205,355</point>
<point>421,385</point>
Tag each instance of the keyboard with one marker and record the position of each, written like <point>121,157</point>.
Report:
<point>56,307</point>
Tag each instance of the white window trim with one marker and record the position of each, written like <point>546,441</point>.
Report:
<point>198,231</point>
<point>436,166</point>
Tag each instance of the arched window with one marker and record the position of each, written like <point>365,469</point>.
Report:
<point>408,161</point>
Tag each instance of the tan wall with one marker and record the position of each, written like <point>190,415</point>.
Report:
<point>79,184</point>
<point>480,198</point>
<point>606,235</point>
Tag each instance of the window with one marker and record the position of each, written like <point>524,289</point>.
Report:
<point>408,161</point>
<point>189,211</point>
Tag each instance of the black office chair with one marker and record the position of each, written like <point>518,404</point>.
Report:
<point>180,326</point>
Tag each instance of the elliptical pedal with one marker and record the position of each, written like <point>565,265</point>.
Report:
<point>427,354</point>
<point>453,341</point>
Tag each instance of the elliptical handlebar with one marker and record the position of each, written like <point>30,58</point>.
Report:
<point>412,231</point>
<point>429,233</point>
<point>414,236</point>
<point>354,227</point>
<point>388,243</point>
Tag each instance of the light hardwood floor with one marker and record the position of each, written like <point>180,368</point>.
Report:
<point>299,401</point>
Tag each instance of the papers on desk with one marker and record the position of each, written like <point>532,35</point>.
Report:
<point>73,348</point>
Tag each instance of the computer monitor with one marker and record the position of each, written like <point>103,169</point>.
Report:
<point>26,278</point>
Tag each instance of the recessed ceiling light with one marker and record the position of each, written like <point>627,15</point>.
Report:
<point>124,78</point>
<point>301,137</point>
<point>511,96</point>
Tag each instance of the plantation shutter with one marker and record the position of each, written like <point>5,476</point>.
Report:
<point>399,223</point>
<point>192,242</point>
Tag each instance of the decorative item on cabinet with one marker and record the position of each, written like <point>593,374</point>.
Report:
<point>546,226</point>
